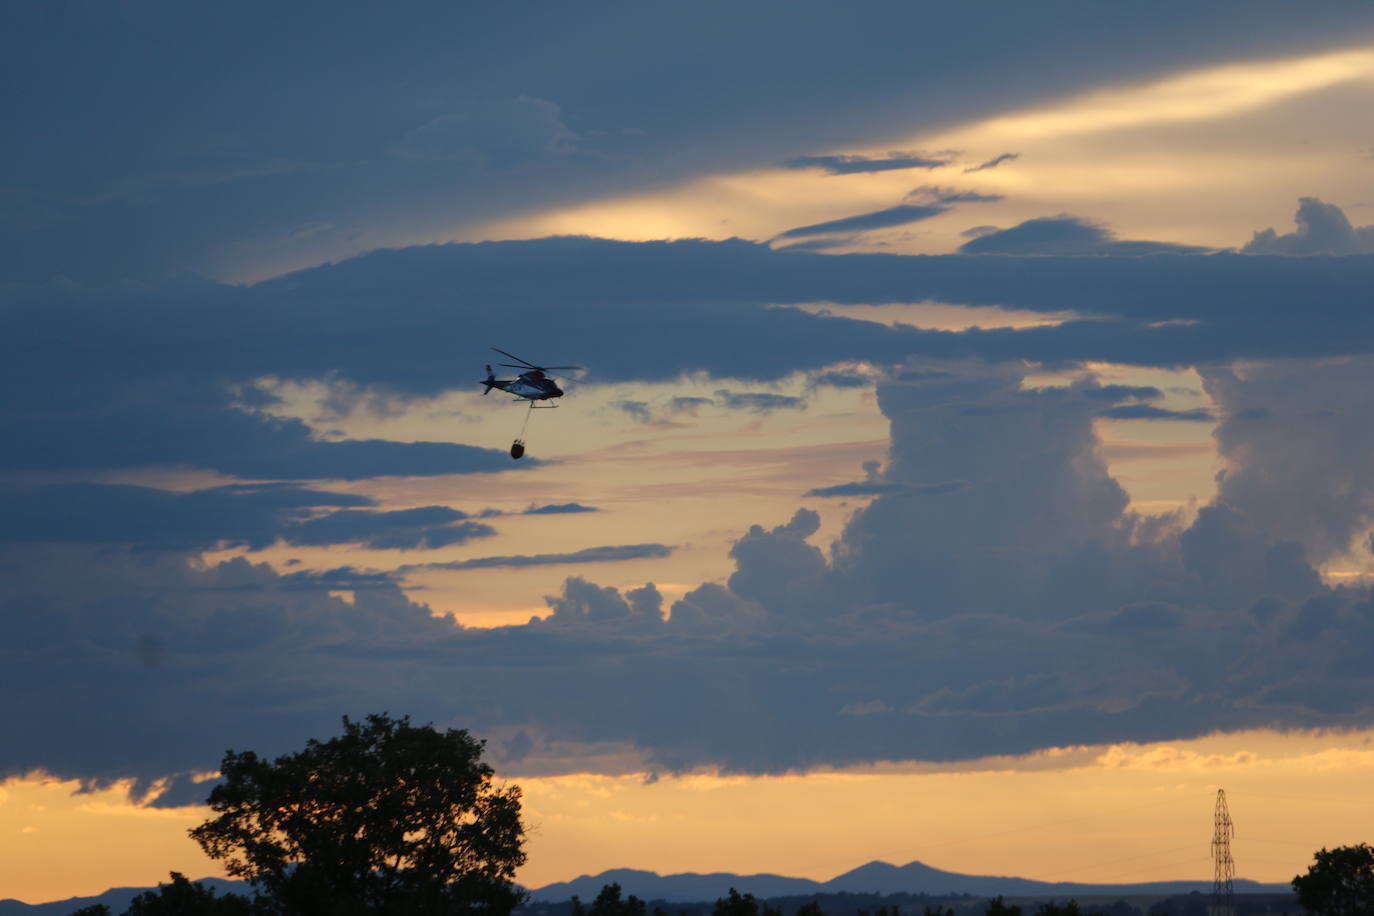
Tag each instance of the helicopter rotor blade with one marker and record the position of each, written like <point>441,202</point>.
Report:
<point>516,358</point>
<point>546,368</point>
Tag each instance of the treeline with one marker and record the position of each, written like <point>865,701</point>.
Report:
<point>612,902</point>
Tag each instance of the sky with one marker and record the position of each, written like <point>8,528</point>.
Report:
<point>969,461</point>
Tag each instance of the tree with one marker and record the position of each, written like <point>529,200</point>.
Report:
<point>187,898</point>
<point>1339,883</point>
<point>742,905</point>
<point>1055,909</point>
<point>387,818</point>
<point>997,908</point>
<point>608,903</point>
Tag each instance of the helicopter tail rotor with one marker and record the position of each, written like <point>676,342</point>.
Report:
<point>488,382</point>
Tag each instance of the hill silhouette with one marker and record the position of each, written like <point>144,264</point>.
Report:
<point>872,878</point>
<point>688,887</point>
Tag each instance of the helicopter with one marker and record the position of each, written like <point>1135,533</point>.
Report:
<point>531,385</point>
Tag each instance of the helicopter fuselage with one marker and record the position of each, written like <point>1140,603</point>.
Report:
<point>532,386</point>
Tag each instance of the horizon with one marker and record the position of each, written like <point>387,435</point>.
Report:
<point>611,871</point>
<point>969,463</point>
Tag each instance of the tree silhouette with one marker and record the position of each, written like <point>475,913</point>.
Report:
<point>736,904</point>
<point>187,898</point>
<point>608,903</point>
<point>1339,883</point>
<point>387,818</point>
<point>1055,909</point>
<point>997,908</point>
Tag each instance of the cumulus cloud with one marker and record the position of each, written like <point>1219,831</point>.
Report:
<point>1322,229</point>
<point>1026,607</point>
<point>1065,235</point>
<point>584,602</point>
<point>1294,436</point>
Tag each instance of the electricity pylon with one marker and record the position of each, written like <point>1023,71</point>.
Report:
<point>1223,896</point>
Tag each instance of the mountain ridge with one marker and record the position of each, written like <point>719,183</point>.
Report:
<point>875,877</point>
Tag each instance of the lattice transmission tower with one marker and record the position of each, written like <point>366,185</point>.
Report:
<point>1223,896</point>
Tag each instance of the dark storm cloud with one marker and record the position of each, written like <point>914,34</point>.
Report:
<point>169,416</point>
<point>993,163</point>
<point>1021,605</point>
<point>168,137</point>
<point>850,165</point>
<point>1066,235</point>
<point>236,516</point>
<point>141,376</point>
<point>900,215</point>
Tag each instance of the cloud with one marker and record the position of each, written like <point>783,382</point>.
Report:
<point>900,215</point>
<point>1149,412</point>
<point>253,516</point>
<point>1322,229</point>
<point>844,378</point>
<point>610,554</point>
<point>427,528</point>
<point>582,603</point>
<point>559,509</point>
<point>993,163</point>
<point>878,488</point>
<point>935,194</point>
<point>758,401</point>
<point>341,578</point>
<point>853,164</point>
<point>1294,435</point>
<point>500,135</point>
<point>113,379</point>
<point>639,410</point>
<point>1065,235</point>
<point>1025,608</point>
<point>150,518</point>
<point>224,170</point>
